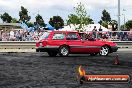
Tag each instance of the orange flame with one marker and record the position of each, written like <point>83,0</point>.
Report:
<point>81,71</point>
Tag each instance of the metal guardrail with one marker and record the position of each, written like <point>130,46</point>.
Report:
<point>124,44</point>
<point>31,44</point>
<point>17,45</point>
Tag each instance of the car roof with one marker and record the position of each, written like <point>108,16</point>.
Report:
<point>56,31</point>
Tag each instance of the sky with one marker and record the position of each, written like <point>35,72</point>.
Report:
<point>50,8</point>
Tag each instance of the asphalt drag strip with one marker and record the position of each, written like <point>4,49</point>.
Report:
<point>38,70</point>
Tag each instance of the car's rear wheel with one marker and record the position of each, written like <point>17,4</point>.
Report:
<point>104,51</point>
<point>37,50</point>
<point>52,54</point>
<point>63,51</point>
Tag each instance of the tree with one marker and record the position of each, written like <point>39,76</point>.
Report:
<point>73,19</point>
<point>106,16</point>
<point>87,20</point>
<point>129,24</point>
<point>114,24</point>
<point>30,24</point>
<point>81,13</point>
<point>80,17</point>
<point>57,22</point>
<point>6,18</point>
<point>39,20</point>
<point>14,20</point>
<point>105,19</point>
<point>24,15</point>
<point>122,28</point>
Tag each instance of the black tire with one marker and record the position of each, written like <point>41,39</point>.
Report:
<point>93,54</point>
<point>104,52</point>
<point>63,51</point>
<point>37,50</point>
<point>52,54</point>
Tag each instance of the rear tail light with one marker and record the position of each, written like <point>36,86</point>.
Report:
<point>43,43</point>
<point>37,44</point>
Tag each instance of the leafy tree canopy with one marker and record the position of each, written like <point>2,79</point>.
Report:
<point>73,19</point>
<point>105,16</point>
<point>39,20</point>
<point>6,18</point>
<point>129,24</point>
<point>105,19</point>
<point>57,22</point>
<point>14,20</point>
<point>24,15</point>
<point>80,17</point>
<point>30,24</point>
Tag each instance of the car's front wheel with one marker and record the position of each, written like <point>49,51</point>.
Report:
<point>63,51</point>
<point>104,51</point>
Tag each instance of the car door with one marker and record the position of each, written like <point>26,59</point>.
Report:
<point>97,45</point>
<point>75,43</point>
<point>89,44</point>
<point>92,46</point>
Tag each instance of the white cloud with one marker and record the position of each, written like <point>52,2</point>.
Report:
<point>65,3</point>
<point>49,8</point>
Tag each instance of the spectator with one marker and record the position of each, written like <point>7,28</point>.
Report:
<point>12,36</point>
<point>28,37</point>
<point>100,32</point>
<point>17,34</point>
<point>94,32</point>
<point>4,37</point>
<point>21,35</point>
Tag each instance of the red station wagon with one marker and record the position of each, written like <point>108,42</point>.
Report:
<point>68,42</point>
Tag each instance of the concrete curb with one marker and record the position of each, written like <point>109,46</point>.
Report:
<point>123,47</point>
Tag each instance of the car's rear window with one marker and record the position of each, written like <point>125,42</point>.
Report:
<point>58,36</point>
<point>44,36</point>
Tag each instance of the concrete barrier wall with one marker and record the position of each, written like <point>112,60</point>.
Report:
<point>17,45</point>
<point>29,46</point>
<point>124,44</point>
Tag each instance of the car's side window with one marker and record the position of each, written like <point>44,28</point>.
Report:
<point>83,36</point>
<point>58,36</point>
<point>72,36</point>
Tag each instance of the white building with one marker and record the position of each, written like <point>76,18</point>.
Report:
<point>87,28</point>
<point>90,27</point>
